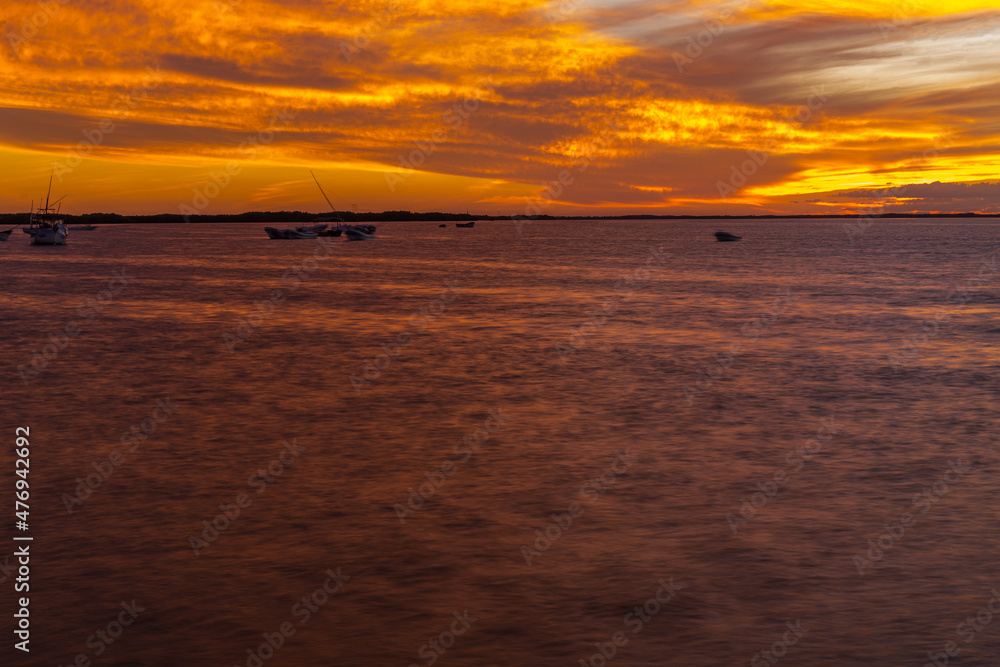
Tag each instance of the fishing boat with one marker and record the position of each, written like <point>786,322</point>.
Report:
<point>726,236</point>
<point>47,226</point>
<point>4,234</point>
<point>466,224</point>
<point>360,232</point>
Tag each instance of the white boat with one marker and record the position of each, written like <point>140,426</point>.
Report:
<point>726,236</point>
<point>360,232</point>
<point>47,226</point>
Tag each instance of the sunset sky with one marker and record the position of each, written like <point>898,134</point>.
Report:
<point>683,107</point>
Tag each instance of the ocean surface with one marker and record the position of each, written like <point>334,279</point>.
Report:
<point>562,443</point>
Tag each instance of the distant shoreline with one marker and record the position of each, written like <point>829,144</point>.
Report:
<point>282,217</point>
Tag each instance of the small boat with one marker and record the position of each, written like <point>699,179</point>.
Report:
<point>360,232</point>
<point>726,236</point>
<point>4,234</point>
<point>442,225</point>
<point>46,225</point>
<point>82,228</point>
<point>297,233</point>
<point>332,231</point>
<point>466,224</point>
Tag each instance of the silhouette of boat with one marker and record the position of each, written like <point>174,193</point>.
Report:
<point>466,224</point>
<point>359,232</point>
<point>47,226</point>
<point>297,233</point>
<point>726,236</point>
<point>4,234</point>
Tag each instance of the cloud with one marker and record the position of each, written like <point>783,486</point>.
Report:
<point>839,96</point>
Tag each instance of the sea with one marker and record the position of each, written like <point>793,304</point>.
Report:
<point>530,443</point>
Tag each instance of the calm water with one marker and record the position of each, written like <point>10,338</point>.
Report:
<point>672,390</point>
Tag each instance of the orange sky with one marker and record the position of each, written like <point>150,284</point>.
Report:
<point>568,107</point>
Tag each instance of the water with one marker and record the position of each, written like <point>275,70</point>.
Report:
<point>497,356</point>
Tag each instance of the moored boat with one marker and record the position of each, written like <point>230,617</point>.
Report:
<point>360,232</point>
<point>47,226</point>
<point>4,234</point>
<point>466,224</point>
<point>726,236</point>
<point>297,233</point>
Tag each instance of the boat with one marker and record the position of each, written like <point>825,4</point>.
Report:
<point>82,228</point>
<point>4,234</point>
<point>297,233</point>
<point>359,232</point>
<point>47,226</point>
<point>332,231</point>
<point>466,224</point>
<point>341,227</point>
<point>442,225</point>
<point>726,236</point>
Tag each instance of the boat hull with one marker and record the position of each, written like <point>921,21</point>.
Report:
<point>290,233</point>
<point>726,236</point>
<point>48,235</point>
<point>48,238</point>
<point>357,235</point>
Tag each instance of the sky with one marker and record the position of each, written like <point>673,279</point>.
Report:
<point>571,107</point>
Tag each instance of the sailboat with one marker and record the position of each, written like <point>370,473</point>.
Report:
<point>353,232</point>
<point>47,225</point>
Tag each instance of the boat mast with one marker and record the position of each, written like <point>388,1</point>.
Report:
<point>47,194</point>
<point>332,209</point>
